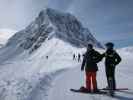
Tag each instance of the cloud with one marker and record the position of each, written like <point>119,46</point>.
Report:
<point>16,14</point>
<point>60,4</point>
<point>105,17</point>
<point>5,34</point>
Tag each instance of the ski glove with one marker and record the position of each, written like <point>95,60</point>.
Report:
<point>82,69</point>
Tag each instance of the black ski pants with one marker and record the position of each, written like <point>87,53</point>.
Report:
<point>110,73</point>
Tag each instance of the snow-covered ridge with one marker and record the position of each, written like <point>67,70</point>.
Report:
<point>24,58</point>
<point>127,49</point>
<point>32,75</point>
<point>54,23</point>
<point>70,29</point>
<point>38,54</point>
<point>49,24</point>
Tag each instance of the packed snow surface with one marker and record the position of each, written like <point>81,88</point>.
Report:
<point>29,78</point>
<point>38,78</point>
<point>37,62</point>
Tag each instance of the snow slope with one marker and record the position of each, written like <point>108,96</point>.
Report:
<point>25,71</point>
<point>38,78</point>
<point>127,50</point>
<point>49,24</point>
<point>29,78</point>
<point>74,78</point>
<point>52,23</point>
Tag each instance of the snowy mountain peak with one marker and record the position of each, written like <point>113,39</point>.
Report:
<point>52,23</point>
<point>70,29</point>
<point>28,75</point>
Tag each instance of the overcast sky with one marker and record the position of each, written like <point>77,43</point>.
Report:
<point>17,14</point>
<point>107,19</point>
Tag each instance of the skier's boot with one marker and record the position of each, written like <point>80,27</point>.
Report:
<point>96,90</point>
<point>106,88</point>
<point>85,90</point>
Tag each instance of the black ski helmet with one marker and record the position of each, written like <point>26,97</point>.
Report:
<point>109,44</point>
<point>90,45</point>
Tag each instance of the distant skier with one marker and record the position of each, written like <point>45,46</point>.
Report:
<point>90,60</point>
<point>83,55</point>
<point>74,56</point>
<point>112,59</point>
<point>79,57</point>
<point>46,57</point>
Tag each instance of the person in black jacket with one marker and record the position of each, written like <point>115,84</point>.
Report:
<point>112,59</point>
<point>74,56</point>
<point>90,60</point>
<point>79,57</point>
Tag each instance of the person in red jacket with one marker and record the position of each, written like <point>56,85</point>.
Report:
<point>90,60</point>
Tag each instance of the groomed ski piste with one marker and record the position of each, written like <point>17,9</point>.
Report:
<point>37,78</point>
